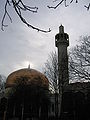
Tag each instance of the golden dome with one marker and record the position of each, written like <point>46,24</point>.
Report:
<point>33,76</point>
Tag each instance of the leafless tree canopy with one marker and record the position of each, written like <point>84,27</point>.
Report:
<point>51,70</point>
<point>19,7</point>
<point>67,3</point>
<point>79,60</point>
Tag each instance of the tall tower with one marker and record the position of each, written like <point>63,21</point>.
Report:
<point>62,42</point>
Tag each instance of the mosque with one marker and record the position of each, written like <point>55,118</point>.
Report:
<point>27,95</point>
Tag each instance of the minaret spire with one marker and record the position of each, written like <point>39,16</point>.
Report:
<point>61,29</point>
<point>29,66</point>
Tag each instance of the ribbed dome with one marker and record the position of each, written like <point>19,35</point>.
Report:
<point>33,76</point>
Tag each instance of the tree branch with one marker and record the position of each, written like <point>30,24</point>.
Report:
<point>5,14</point>
<point>19,6</point>
<point>65,3</point>
<point>56,5</point>
<point>60,2</point>
<point>87,7</point>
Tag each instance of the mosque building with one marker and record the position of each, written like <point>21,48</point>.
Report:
<point>27,95</point>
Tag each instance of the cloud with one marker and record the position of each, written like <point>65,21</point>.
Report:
<point>20,45</point>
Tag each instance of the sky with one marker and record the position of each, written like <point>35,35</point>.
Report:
<point>21,46</point>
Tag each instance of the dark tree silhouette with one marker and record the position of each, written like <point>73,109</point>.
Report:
<point>19,7</point>
<point>50,69</point>
<point>79,60</point>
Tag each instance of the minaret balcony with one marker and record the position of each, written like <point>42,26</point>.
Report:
<point>62,39</point>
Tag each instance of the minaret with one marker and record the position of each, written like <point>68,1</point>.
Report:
<point>62,42</point>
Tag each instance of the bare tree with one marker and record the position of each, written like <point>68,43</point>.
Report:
<point>58,85</point>
<point>51,71</point>
<point>19,7</point>
<point>79,60</point>
<point>67,3</point>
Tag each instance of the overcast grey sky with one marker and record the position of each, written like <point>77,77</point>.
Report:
<point>20,45</point>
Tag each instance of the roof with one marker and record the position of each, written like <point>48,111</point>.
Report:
<point>32,76</point>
